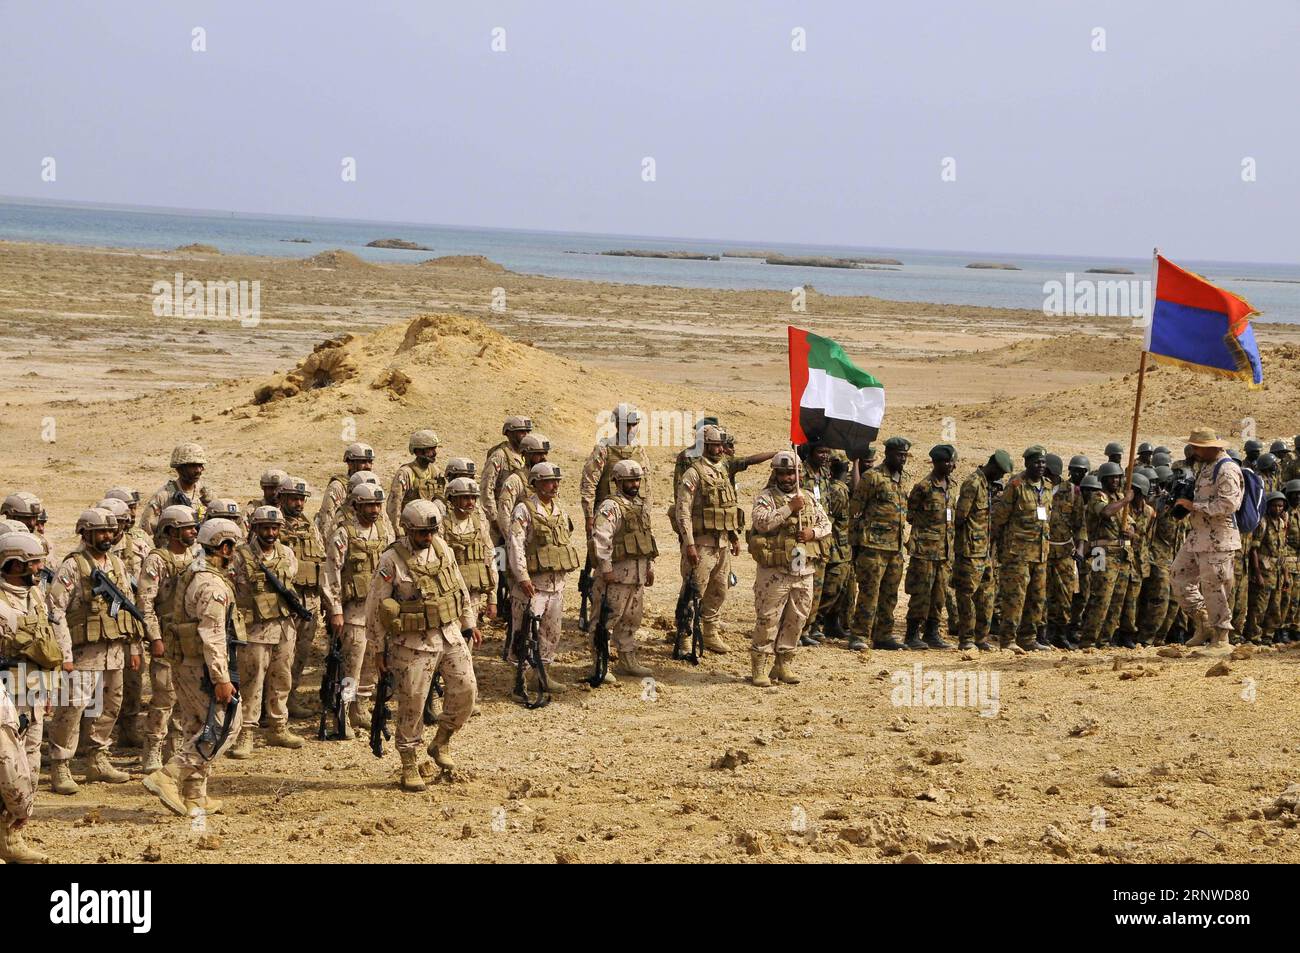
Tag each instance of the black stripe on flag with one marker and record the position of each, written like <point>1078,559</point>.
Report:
<point>847,435</point>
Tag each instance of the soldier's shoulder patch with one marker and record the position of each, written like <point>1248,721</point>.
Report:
<point>151,571</point>
<point>219,596</point>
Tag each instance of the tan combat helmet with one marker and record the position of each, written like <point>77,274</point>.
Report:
<point>460,467</point>
<point>359,453</point>
<point>627,470</point>
<point>185,453</point>
<point>270,479</point>
<point>20,504</point>
<point>714,434</point>
<point>785,460</point>
<point>420,514</point>
<point>625,417</point>
<point>543,471</point>
<point>23,546</point>
<point>462,486</point>
<point>535,443</point>
<point>361,477</point>
<point>175,516</point>
<point>124,493</point>
<point>214,532</point>
<point>423,440</point>
<point>224,509</point>
<point>12,526</point>
<point>121,512</point>
<point>367,493</point>
<point>93,519</point>
<point>266,514</point>
<point>516,423</point>
<point>294,486</point>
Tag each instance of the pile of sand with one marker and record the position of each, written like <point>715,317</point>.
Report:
<point>465,261</point>
<point>198,248</point>
<point>336,258</point>
<point>329,363</point>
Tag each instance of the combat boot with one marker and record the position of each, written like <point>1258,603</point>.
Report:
<point>357,713</point>
<point>61,778</point>
<point>101,769</point>
<point>857,644</point>
<point>1124,640</point>
<point>758,670</point>
<point>152,759</point>
<point>129,734</point>
<point>1056,635</point>
<point>439,748</point>
<point>984,645</point>
<point>932,637</point>
<point>965,643</point>
<point>913,640</point>
<point>629,664</point>
<point>712,641</point>
<point>1041,637</point>
<point>835,628</point>
<point>299,708</point>
<point>243,746</point>
<point>783,670</point>
<point>204,806</point>
<point>813,636</point>
<point>14,851</point>
<point>164,787</point>
<point>279,736</point>
<point>1200,630</point>
<point>1028,642</point>
<point>411,779</point>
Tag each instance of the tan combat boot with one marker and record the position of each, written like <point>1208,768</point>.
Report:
<point>629,664</point>
<point>151,760</point>
<point>438,748</point>
<point>203,805</point>
<point>61,778</point>
<point>164,787</point>
<point>243,746</point>
<point>357,716</point>
<point>279,736</point>
<point>101,769</point>
<point>299,708</point>
<point>712,641</point>
<point>411,780</point>
<point>129,734</point>
<point>783,670</point>
<point>1201,625</point>
<point>553,683</point>
<point>758,662</point>
<point>14,851</point>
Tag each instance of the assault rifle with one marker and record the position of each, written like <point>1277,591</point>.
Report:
<point>600,644</point>
<point>436,690</point>
<point>287,594</point>
<point>331,689</point>
<point>687,616</point>
<point>379,719</point>
<point>527,644</point>
<point>584,590</point>
<point>117,599</point>
<point>214,736</point>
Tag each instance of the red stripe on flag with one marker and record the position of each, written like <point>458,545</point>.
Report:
<point>1179,286</point>
<point>798,379</point>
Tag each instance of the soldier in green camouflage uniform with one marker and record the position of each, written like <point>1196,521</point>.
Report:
<point>1021,518</point>
<point>930,506</point>
<point>1065,532</point>
<point>1123,617</point>
<point>1268,579</point>
<point>1089,487</point>
<point>839,563</point>
<point>1290,631</point>
<point>878,514</point>
<point>1108,555</point>
<point>973,576</point>
<point>1155,603</point>
<point>815,480</point>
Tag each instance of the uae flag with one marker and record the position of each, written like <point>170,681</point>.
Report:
<point>832,401</point>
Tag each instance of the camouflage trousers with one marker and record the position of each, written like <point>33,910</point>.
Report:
<point>1123,615</point>
<point>162,700</point>
<point>711,576</point>
<point>1155,604</point>
<point>548,605</point>
<point>819,584</point>
<point>837,590</point>
<point>1062,580</point>
<point>626,607</point>
<point>1080,601</point>
<point>1203,582</point>
<point>1266,599</point>
<point>1108,581</point>
<point>187,764</point>
<point>782,604</point>
<point>878,572</point>
<point>305,631</point>
<point>1291,619</point>
<point>266,670</point>
<point>65,726</point>
<point>973,579</point>
<point>1022,596</point>
<point>926,585</point>
<point>413,673</point>
<point>132,696</point>
<point>1240,590</point>
<point>17,786</point>
<point>31,738</point>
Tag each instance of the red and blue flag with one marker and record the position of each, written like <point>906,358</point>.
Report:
<point>1201,326</point>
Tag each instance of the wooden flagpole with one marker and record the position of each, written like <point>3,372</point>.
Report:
<point>1142,375</point>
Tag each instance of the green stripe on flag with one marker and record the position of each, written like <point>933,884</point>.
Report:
<point>825,354</point>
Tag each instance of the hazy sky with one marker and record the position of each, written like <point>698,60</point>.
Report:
<point>1058,149</point>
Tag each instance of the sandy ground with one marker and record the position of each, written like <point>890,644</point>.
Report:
<point>1125,755</point>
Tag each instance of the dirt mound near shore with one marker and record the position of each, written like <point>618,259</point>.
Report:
<point>464,261</point>
<point>200,248</point>
<point>337,258</point>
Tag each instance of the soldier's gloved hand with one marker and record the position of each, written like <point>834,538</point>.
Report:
<point>224,691</point>
<point>157,649</point>
<point>693,555</point>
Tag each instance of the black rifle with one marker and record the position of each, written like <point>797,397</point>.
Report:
<point>288,595</point>
<point>527,643</point>
<point>687,616</point>
<point>117,599</point>
<point>436,689</point>
<point>379,732</point>
<point>584,590</point>
<point>331,688</point>
<point>213,737</point>
<point>503,603</point>
<point>600,644</point>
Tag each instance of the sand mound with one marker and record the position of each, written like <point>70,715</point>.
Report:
<point>329,363</point>
<point>464,261</point>
<point>199,248</point>
<point>336,258</point>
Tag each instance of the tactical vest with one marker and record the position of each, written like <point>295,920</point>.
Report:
<point>514,463</point>
<point>440,600</point>
<point>548,549</point>
<point>614,453</point>
<point>181,638</point>
<point>34,639</point>
<point>634,539</point>
<point>362,560</point>
<point>296,533</point>
<point>714,507</point>
<point>89,621</point>
<point>256,598</point>
<point>126,553</point>
<point>775,549</point>
<point>470,552</point>
<point>163,602</point>
<point>426,484</point>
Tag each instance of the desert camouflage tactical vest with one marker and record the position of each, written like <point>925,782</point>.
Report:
<point>426,484</point>
<point>613,454</point>
<point>470,551</point>
<point>775,549</point>
<point>362,559</point>
<point>297,535</point>
<point>440,600</point>
<point>34,638</point>
<point>255,598</point>
<point>633,539</point>
<point>549,548</point>
<point>89,621</point>
<point>181,638</point>
<point>714,508</point>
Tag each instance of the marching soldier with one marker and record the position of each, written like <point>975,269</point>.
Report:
<point>99,645</point>
<point>269,481</point>
<point>352,557</point>
<point>357,457</point>
<point>301,535</point>
<point>596,484</point>
<point>514,487</point>
<point>541,554</point>
<point>186,489</point>
<point>787,543</point>
<point>417,480</point>
<point>465,529</point>
<point>177,531</point>
<point>266,663</point>
<point>204,622</point>
<point>930,506</point>
<point>707,518</point>
<point>1021,519</point>
<point>418,614</point>
<point>502,460</point>
<point>624,550</point>
<point>878,512</point>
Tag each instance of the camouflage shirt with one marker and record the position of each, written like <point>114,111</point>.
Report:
<point>878,511</point>
<point>974,515</point>
<point>1021,517</point>
<point>930,511</point>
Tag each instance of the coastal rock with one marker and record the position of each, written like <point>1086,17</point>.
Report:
<point>398,243</point>
<point>994,266</point>
<point>198,248</point>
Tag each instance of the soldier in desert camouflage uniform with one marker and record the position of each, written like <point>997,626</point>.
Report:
<point>269,481</point>
<point>502,460</point>
<point>624,551</point>
<point>357,457</point>
<point>301,535</point>
<point>418,479</point>
<point>707,518</point>
<point>187,489</point>
<point>17,798</point>
<point>514,487</point>
<point>597,481</point>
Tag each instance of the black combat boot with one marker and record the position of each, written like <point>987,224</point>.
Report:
<point>913,640</point>
<point>834,628</point>
<point>1124,639</point>
<point>1056,635</point>
<point>1044,641</point>
<point>932,636</point>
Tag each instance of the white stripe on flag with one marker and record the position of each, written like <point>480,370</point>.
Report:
<point>839,399</point>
